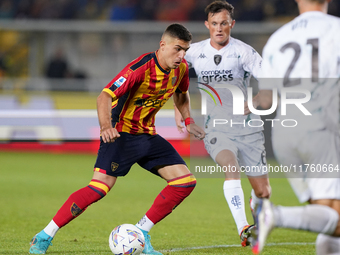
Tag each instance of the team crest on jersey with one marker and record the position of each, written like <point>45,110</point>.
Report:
<point>174,79</point>
<point>217,59</point>
<point>120,81</point>
<point>114,166</point>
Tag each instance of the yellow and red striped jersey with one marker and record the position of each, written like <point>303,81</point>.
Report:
<point>140,90</point>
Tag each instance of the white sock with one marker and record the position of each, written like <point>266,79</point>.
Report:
<point>145,223</point>
<point>51,229</point>
<point>254,200</point>
<point>314,218</point>
<point>327,245</point>
<point>233,193</point>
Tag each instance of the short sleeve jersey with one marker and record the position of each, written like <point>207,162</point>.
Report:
<point>305,54</point>
<point>233,65</point>
<point>140,90</point>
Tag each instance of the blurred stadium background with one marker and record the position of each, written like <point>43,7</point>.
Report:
<point>56,56</point>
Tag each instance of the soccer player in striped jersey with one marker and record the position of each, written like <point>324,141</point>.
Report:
<point>304,56</point>
<point>223,60</point>
<point>126,111</point>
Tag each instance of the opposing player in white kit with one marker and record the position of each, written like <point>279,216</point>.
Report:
<point>304,55</point>
<point>223,60</point>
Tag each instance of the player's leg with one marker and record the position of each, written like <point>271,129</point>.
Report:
<point>252,155</point>
<point>321,216</point>
<point>252,158</point>
<point>180,184</point>
<point>102,181</point>
<point>233,191</point>
<point>76,204</point>
<point>163,160</point>
<point>335,205</point>
<point>223,151</point>
<point>327,245</point>
<point>314,218</point>
<point>261,189</point>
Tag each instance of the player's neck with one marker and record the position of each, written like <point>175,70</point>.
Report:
<point>310,7</point>
<point>219,46</point>
<point>161,61</point>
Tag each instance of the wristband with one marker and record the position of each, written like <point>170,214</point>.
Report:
<point>189,121</point>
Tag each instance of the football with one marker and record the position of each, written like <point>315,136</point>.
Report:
<point>126,239</point>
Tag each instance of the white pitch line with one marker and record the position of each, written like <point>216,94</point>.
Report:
<point>229,246</point>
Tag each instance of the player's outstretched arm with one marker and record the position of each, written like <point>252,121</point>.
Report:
<point>182,102</point>
<point>104,104</point>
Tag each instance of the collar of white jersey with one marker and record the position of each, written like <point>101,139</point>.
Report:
<point>311,13</point>
<point>231,40</point>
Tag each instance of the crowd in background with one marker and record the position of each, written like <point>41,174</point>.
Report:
<point>163,10</point>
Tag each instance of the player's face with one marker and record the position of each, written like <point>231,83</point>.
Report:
<point>172,52</point>
<point>219,25</point>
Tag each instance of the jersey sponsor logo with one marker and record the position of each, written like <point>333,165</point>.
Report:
<point>150,102</point>
<point>202,55</point>
<point>217,59</point>
<point>234,55</point>
<point>120,81</point>
<point>217,76</point>
<point>160,92</point>
<point>213,90</point>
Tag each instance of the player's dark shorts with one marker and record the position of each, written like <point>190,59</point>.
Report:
<point>151,152</point>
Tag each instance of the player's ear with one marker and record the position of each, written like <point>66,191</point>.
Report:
<point>232,24</point>
<point>162,44</point>
<point>206,23</point>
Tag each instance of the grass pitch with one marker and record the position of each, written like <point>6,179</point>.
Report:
<point>34,186</point>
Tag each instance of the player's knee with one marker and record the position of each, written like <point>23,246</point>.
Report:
<point>101,188</point>
<point>332,227</point>
<point>327,245</point>
<point>337,229</point>
<point>263,191</point>
<point>186,183</point>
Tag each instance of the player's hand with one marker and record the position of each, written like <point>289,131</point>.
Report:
<point>246,108</point>
<point>197,131</point>
<point>179,120</point>
<point>109,135</point>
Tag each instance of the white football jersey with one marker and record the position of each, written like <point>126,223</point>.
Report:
<point>232,65</point>
<point>305,54</point>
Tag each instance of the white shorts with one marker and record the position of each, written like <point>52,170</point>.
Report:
<point>248,149</point>
<point>316,150</point>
